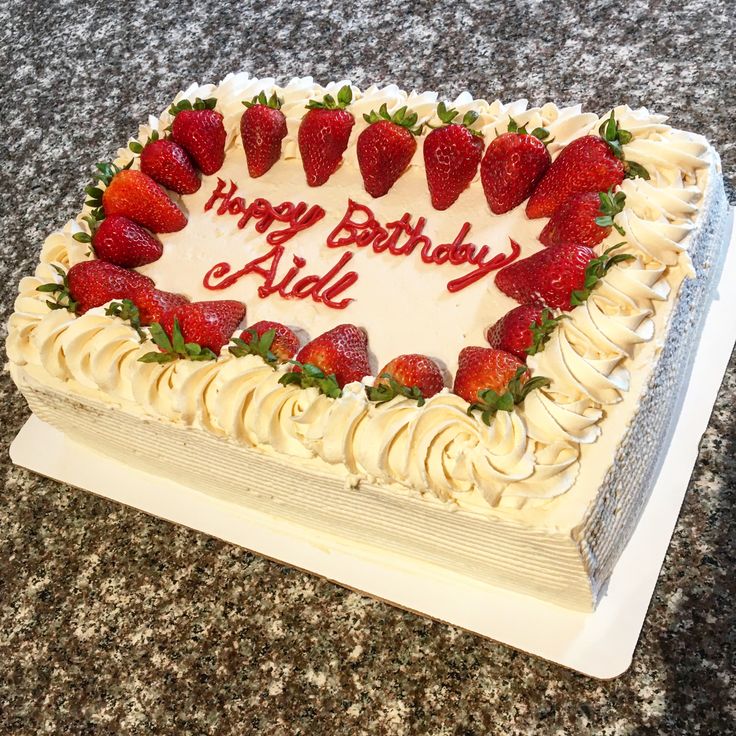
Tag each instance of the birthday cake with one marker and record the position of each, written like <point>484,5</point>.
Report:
<point>452,332</point>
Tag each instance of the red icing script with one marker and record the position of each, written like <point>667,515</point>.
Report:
<point>358,227</point>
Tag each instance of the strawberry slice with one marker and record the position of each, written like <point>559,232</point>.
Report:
<point>386,147</point>
<point>324,134</point>
<point>272,341</point>
<point>588,164</point>
<point>262,128</point>
<point>452,154</point>
<point>413,376</point>
<point>199,130</point>
<point>513,164</point>
<point>121,241</point>
<point>522,331</point>
<point>167,163</point>
<point>558,277</point>
<point>584,217</point>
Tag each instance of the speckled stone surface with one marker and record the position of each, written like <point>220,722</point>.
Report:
<point>113,622</point>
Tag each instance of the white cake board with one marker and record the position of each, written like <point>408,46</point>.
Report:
<point>599,644</point>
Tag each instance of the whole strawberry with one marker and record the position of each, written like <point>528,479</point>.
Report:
<point>136,196</point>
<point>558,277</point>
<point>153,304</point>
<point>199,130</point>
<point>513,164</point>
<point>168,164</point>
<point>342,351</point>
<point>272,341</point>
<point>413,376</point>
<point>588,164</point>
<point>121,241</point>
<point>323,135</point>
<point>522,331</point>
<point>584,217</point>
<point>209,325</point>
<point>94,283</point>
<point>262,128</point>
<point>386,147</point>
<point>451,156</point>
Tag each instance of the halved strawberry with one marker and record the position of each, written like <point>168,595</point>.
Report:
<point>323,135</point>
<point>123,242</point>
<point>198,128</point>
<point>559,277</point>
<point>273,341</point>
<point>385,148</point>
<point>584,217</point>
<point>262,128</point>
<point>413,375</point>
<point>522,331</point>
<point>451,156</point>
<point>210,325</point>
<point>167,163</point>
<point>513,164</point>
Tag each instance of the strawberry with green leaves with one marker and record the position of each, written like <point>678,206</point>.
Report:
<point>262,129</point>
<point>121,241</point>
<point>522,331</point>
<point>492,380</point>
<point>324,134</point>
<point>584,217</point>
<point>413,376</point>
<point>513,164</point>
<point>272,341</point>
<point>167,163</point>
<point>199,130</point>
<point>386,147</point>
<point>593,163</point>
<point>452,154</point>
<point>558,277</point>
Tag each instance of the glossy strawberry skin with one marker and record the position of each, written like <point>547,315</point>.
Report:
<point>94,283</point>
<point>451,158</point>
<point>574,222</point>
<point>262,129</point>
<point>323,138</point>
<point>202,135</point>
<point>512,333</point>
<point>512,166</point>
<point>342,350</point>
<point>384,151</point>
<point>483,368</point>
<point>285,343</point>
<point>153,303</point>
<point>548,277</point>
<point>123,242</point>
<point>412,370</point>
<point>136,196</point>
<point>587,164</point>
<point>208,324</point>
<point>168,164</point>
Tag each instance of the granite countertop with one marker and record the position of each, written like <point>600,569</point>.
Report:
<point>114,622</point>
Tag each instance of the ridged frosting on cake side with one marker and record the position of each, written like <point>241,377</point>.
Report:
<point>525,457</point>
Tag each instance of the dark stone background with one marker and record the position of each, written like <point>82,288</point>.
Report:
<point>113,622</point>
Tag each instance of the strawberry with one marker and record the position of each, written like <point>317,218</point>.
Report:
<point>584,217</point>
<point>262,128</point>
<point>90,284</point>
<point>522,331</point>
<point>168,164</point>
<point>559,277</point>
<point>209,325</point>
<point>198,129</point>
<point>273,341</point>
<point>341,351</point>
<point>587,164</point>
<point>413,376</point>
<point>492,380</point>
<point>513,164</point>
<point>153,304</point>
<point>323,135</point>
<point>386,147</point>
<point>451,156</point>
<point>136,196</point>
<point>121,241</point>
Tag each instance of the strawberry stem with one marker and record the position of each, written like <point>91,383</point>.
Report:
<point>174,348</point>
<point>489,401</point>
<point>258,345</point>
<point>542,330</point>
<point>383,392</point>
<point>596,270</point>
<point>403,116</point>
<point>127,310</point>
<point>198,104</point>
<point>611,205</point>
<point>447,115</point>
<point>328,102</point>
<point>274,101</point>
<point>616,138</point>
<point>310,376</point>
<point>62,297</point>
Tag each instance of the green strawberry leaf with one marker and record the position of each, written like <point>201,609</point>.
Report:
<point>489,402</point>
<point>383,392</point>
<point>310,376</point>
<point>596,270</point>
<point>62,297</point>
<point>542,330</point>
<point>258,345</point>
<point>127,310</point>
